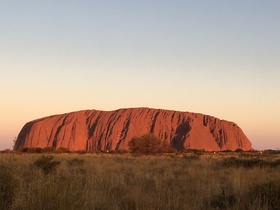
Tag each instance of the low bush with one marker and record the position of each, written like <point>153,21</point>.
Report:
<point>81,152</point>
<point>46,163</point>
<point>48,150</point>
<point>191,157</point>
<point>32,150</point>
<point>148,144</point>
<point>249,162</point>
<point>75,162</point>
<point>62,150</point>
<point>198,152</point>
<point>239,150</point>
<point>42,150</point>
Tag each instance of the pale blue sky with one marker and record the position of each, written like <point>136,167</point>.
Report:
<point>214,57</point>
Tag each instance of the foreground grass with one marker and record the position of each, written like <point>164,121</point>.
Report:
<point>104,181</point>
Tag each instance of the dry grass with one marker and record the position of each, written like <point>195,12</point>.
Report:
<point>111,181</point>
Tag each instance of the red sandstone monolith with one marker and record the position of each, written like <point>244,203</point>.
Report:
<point>94,130</point>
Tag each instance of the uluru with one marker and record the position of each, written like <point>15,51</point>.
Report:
<point>94,130</point>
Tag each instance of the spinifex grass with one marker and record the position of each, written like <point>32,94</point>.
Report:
<point>105,181</point>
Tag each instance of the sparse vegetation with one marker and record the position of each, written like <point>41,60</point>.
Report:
<point>249,162</point>
<point>265,195</point>
<point>8,185</point>
<point>124,181</point>
<point>149,144</point>
<point>45,150</point>
<point>46,163</point>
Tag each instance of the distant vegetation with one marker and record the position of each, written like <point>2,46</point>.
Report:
<point>191,179</point>
<point>149,144</point>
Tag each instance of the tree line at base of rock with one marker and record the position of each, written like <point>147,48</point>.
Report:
<point>145,144</point>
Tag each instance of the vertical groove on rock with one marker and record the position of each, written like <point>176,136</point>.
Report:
<point>54,143</point>
<point>154,121</point>
<point>205,120</point>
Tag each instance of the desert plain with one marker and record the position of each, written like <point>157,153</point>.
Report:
<point>192,179</point>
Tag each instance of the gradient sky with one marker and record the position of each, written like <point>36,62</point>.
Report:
<point>219,57</point>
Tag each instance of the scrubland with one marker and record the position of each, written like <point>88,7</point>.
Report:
<point>126,181</point>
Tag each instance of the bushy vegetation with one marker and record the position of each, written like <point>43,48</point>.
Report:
<point>46,163</point>
<point>149,144</point>
<point>249,162</point>
<point>124,181</point>
<point>45,150</point>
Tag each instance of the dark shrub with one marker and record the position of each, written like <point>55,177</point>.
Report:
<point>239,150</point>
<point>275,163</point>
<point>148,144</point>
<point>245,163</point>
<point>62,150</point>
<point>198,152</point>
<point>191,157</point>
<point>32,150</point>
<point>81,152</point>
<point>75,162</point>
<point>8,185</point>
<point>266,194</point>
<point>24,149</point>
<point>46,163</point>
<point>249,163</point>
<point>223,200</point>
<point>48,149</point>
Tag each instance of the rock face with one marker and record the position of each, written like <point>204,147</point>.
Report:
<point>94,130</point>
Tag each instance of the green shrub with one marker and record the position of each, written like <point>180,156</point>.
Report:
<point>148,144</point>
<point>46,163</point>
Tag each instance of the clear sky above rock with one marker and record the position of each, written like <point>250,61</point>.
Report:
<point>214,57</point>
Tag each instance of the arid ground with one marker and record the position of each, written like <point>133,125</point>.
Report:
<point>189,180</point>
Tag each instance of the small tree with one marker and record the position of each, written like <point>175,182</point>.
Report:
<point>239,150</point>
<point>148,144</point>
<point>14,143</point>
